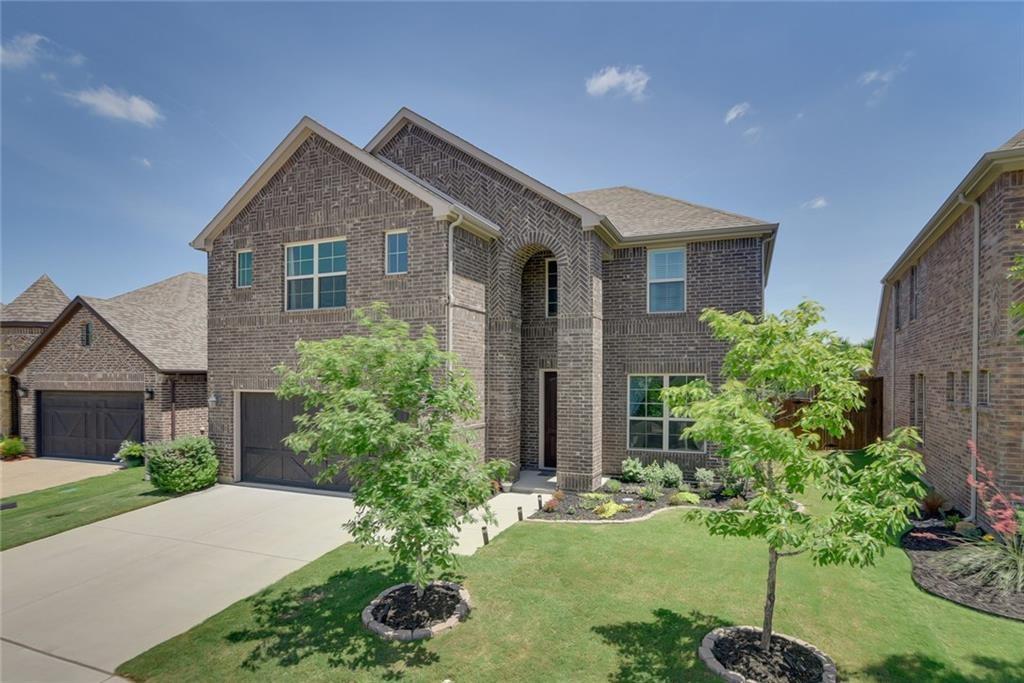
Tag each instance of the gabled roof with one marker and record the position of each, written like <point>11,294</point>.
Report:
<point>39,304</point>
<point>405,116</point>
<point>641,214</point>
<point>164,322</point>
<point>441,206</point>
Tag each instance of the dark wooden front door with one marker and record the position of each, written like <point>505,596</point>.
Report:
<point>549,458</point>
<point>88,424</point>
<point>266,421</point>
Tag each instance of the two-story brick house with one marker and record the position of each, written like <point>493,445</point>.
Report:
<point>946,345</point>
<point>569,311</point>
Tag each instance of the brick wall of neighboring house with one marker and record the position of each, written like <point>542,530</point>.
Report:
<point>183,405</point>
<point>531,224</point>
<point>470,268</point>
<point>13,342</point>
<point>107,364</point>
<point>724,274</point>
<point>938,342</point>
<point>321,192</point>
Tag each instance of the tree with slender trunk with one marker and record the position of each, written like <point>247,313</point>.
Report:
<point>770,360</point>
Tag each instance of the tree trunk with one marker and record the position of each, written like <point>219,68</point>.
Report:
<point>769,601</point>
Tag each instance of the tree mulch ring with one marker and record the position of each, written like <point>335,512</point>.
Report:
<point>405,613</point>
<point>580,506</point>
<point>737,650</point>
<point>926,547</point>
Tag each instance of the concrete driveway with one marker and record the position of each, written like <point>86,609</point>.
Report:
<point>76,605</point>
<point>32,474</point>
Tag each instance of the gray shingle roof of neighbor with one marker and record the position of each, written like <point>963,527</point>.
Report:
<point>165,321</point>
<point>41,302</point>
<point>638,213</point>
<point>1016,142</point>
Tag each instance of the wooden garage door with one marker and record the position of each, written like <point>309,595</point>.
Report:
<point>90,425</point>
<point>265,422</point>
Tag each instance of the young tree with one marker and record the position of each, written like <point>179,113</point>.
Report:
<point>388,409</point>
<point>771,359</point>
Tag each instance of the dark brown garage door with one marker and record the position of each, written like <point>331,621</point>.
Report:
<point>90,425</point>
<point>265,421</point>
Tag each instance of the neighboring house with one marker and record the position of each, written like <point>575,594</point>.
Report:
<point>129,367</point>
<point>569,311</point>
<point>945,345</point>
<point>21,321</point>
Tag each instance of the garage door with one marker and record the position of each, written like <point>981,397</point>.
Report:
<point>90,425</point>
<point>265,422</point>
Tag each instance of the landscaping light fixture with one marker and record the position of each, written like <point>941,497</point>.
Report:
<point>212,400</point>
<point>150,394</point>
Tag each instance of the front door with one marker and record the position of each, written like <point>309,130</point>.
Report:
<point>549,410</point>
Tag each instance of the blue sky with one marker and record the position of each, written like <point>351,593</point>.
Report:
<point>126,127</point>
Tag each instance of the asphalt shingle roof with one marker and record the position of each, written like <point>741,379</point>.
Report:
<point>1016,142</point>
<point>165,321</point>
<point>638,213</point>
<point>42,302</point>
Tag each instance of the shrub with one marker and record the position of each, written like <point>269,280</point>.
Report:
<point>966,529</point>
<point>498,469</point>
<point>737,503</point>
<point>684,498</point>
<point>705,481</point>
<point>551,505</point>
<point>589,501</point>
<point>632,470</point>
<point>609,509</point>
<point>652,475</point>
<point>952,520</point>
<point>671,475</point>
<point>613,486</point>
<point>650,492</point>
<point>131,454</point>
<point>12,447</point>
<point>183,465</point>
<point>932,503</point>
<point>558,494</point>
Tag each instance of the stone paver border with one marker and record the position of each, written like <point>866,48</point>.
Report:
<point>707,655</point>
<point>409,635</point>
<point>799,506</point>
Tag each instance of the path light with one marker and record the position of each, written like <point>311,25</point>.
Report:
<point>520,511</point>
<point>486,539</point>
<point>540,506</point>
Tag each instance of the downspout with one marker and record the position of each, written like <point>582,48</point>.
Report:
<point>451,280</point>
<point>975,326</point>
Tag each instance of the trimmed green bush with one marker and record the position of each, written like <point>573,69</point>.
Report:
<point>653,476</point>
<point>671,475</point>
<point>183,465</point>
<point>632,470</point>
<point>613,486</point>
<point>12,447</point>
<point>131,454</point>
<point>684,498</point>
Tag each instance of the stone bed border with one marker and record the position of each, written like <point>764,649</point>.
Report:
<point>408,635</point>
<point>707,655</point>
<point>799,506</point>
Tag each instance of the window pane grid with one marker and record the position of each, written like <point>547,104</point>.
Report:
<point>552,287</point>
<point>316,275</point>
<point>397,253</point>
<point>244,269</point>
<point>666,281</point>
<point>651,425</point>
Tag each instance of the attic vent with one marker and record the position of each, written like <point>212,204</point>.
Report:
<point>87,334</point>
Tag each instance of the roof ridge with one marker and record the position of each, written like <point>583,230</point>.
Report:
<point>758,221</point>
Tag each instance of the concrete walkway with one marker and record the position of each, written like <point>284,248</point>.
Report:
<point>32,474</point>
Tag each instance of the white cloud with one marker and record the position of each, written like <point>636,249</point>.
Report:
<point>631,81</point>
<point>880,80</point>
<point>738,111</point>
<point>143,162</point>
<point>21,50</point>
<point>48,76</point>
<point>105,101</point>
<point>818,202</point>
<point>752,133</point>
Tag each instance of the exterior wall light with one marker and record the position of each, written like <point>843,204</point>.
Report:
<point>150,394</point>
<point>212,400</point>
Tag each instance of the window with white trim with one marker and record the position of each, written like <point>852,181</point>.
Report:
<point>316,275</point>
<point>396,252</point>
<point>243,269</point>
<point>666,280</point>
<point>651,424</point>
<point>551,287</point>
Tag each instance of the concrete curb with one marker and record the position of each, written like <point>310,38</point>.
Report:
<point>707,655</point>
<point>408,635</point>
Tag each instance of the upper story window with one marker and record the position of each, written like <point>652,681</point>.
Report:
<point>243,269</point>
<point>917,398</point>
<point>316,275</point>
<point>897,313</point>
<point>914,294</point>
<point>87,334</point>
<point>965,387</point>
<point>984,388</point>
<point>551,287</point>
<point>651,425</point>
<point>396,255</point>
<point>666,280</point>
<point>950,388</point>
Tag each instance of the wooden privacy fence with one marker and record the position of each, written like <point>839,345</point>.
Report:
<point>867,422</point>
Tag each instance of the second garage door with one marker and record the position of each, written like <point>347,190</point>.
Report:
<point>87,424</point>
<point>265,422</point>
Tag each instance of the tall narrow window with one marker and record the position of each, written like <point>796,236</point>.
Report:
<point>397,252</point>
<point>897,314</point>
<point>950,388</point>
<point>87,334</point>
<point>243,269</point>
<point>316,275</point>
<point>984,388</point>
<point>551,287</point>
<point>666,280</point>
<point>913,401</point>
<point>913,293</point>
<point>965,388</point>
<point>651,425</point>
<point>917,402</point>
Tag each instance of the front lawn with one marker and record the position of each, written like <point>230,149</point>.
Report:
<point>620,602</point>
<point>50,511</point>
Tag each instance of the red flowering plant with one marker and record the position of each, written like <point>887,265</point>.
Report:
<point>997,564</point>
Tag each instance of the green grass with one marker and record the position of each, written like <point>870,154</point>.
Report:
<point>619,602</point>
<point>50,511</point>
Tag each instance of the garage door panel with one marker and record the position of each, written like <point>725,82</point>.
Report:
<point>265,422</point>
<point>91,425</point>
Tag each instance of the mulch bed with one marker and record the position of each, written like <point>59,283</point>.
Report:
<point>403,608</point>
<point>926,546</point>
<point>786,661</point>
<point>575,507</point>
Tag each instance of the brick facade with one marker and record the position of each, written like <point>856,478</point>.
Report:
<point>13,342</point>
<point>938,342</point>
